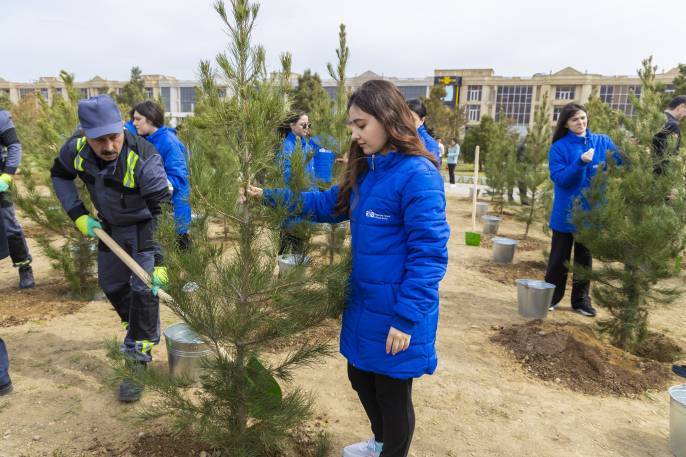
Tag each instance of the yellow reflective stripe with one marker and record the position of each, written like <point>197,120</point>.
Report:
<point>78,162</point>
<point>146,345</point>
<point>131,161</point>
<point>125,325</point>
<point>80,143</point>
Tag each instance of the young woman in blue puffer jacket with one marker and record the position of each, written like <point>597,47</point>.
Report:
<point>575,156</point>
<point>392,192</point>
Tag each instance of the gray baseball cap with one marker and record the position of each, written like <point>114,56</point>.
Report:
<point>100,116</point>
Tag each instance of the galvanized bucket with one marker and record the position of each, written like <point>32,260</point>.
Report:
<point>503,249</point>
<point>481,209</point>
<point>185,350</point>
<point>288,261</point>
<point>491,224</point>
<point>533,298</point>
<point>677,420</point>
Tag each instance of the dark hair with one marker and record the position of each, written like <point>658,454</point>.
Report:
<point>419,107</point>
<point>151,111</point>
<point>676,101</point>
<point>569,110</point>
<point>383,100</point>
<point>285,126</point>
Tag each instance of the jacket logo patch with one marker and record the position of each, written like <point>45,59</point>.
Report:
<point>371,214</point>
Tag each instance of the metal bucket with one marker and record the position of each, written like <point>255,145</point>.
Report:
<point>533,297</point>
<point>491,224</point>
<point>481,209</point>
<point>503,249</point>
<point>287,261</point>
<point>185,349</point>
<point>677,420</point>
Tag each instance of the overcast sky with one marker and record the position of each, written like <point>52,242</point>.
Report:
<point>391,37</point>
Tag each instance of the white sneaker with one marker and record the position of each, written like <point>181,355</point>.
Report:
<point>364,449</point>
<point>453,186</point>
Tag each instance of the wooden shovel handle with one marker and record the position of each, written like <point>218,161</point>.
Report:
<point>129,262</point>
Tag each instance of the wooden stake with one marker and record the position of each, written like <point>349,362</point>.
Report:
<point>475,188</point>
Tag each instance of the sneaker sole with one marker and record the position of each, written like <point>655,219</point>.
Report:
<point>7,390</point>
<point>584,312</point>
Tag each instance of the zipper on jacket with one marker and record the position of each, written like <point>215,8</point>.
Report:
<point>122,201</point>
<point>373,161</point>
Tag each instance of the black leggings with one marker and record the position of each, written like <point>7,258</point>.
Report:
<point>388,404</point>
<point>451,172</point>
<point>560,252</point>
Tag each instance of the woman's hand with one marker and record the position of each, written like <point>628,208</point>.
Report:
<point>397,341</point>
<point>253,192</point>
<point>588,155</point>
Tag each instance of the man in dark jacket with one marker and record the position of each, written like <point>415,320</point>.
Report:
<point>125,178</point>
<point>10,152</point>
<point>5,381</point>
<point>667,141</point>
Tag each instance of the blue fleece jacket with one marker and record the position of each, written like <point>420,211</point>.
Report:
<point>571,175</point>
<point>430,144</point>
<point>399,255</point>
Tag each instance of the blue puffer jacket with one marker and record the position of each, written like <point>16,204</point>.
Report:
<point>174,155</point>
<point>288,147</point>
<point>571,175</point>
<point>399,254</point>
<point>430,144</point>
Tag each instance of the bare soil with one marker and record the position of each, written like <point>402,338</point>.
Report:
<point>482,401</point>
<point>574,356</point>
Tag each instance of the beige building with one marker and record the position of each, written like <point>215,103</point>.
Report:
<point>481,92</point>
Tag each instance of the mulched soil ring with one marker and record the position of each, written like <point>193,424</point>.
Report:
<point>523,245</point>
<point>46,301</point>
<point>573,356</point>
<point>508,273</point>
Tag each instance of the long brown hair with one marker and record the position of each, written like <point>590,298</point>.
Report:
<point>383,100</point>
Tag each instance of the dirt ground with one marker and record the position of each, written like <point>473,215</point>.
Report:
<point>480,402</point>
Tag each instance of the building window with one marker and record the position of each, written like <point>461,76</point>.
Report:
<point>187,99</point>
<point>564,92</point>
<point>410,92</point>
<point>165,92</point>
<point>44,93</point>
<point>25,91</point>
<point>222,92</point>
<point>556,112</point>
<point>117,91</point>
<point>83,93</point>
<point>515,103</point>
<point>474,113</point>
<point>619,97</point>
<point>474,94</point>
<point>148,92</point>
<point>331,90</point>
<point>669,89</point>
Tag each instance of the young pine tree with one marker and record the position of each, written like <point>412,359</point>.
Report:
<point>42,135</point>
<point>636,225</point>
<point>532,168</point>
<point>500,161</point>
<point>241,308</point>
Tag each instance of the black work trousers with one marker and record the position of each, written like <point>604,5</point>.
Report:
<point>560,252</point>
<point>388,404</point>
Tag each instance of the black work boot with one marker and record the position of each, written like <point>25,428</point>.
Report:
<point>130,391</point>
<point>26,277</point>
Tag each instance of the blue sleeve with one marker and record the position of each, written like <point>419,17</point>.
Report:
<point>8,138</point>
<point>175,166</point>
<point>562,173</point>
<point>617,155</point>
<point>284,157</point>
<point>427,229</point>
<point>317,206</point>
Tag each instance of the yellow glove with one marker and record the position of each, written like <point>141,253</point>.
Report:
<point>86,224</point>
<point>160,279</point>
<point>5,181</point>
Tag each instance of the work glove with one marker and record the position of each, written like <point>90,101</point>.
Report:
<point>87,224</point>
<point>160,280</point>
<point>5,181</point>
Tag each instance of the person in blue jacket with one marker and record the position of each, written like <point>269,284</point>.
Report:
<point>575,156</point>
<point>295,131</point>
<point>425,134</point>
<point>392,193</point>
<point>5,380</point>
<point>148,120</point>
